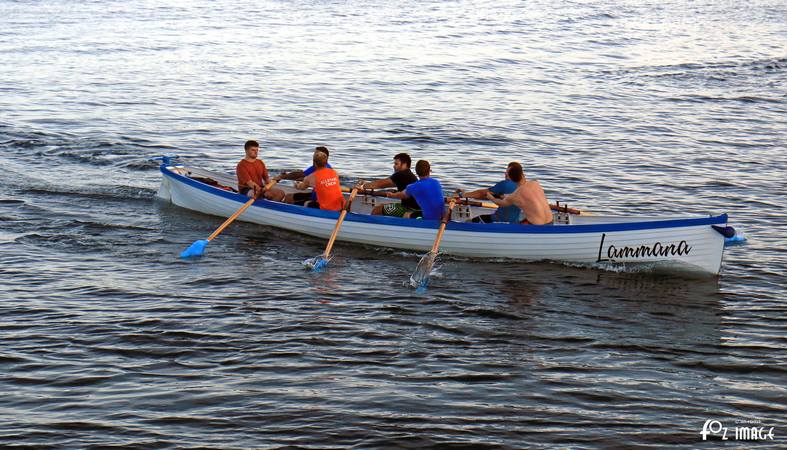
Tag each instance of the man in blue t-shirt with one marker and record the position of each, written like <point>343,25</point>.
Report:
<point>427,192</point>
<point>299,198</point>
<point>508,214</point>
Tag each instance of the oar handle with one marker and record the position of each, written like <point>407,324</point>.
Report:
<point>237,213</point>
<point>467,201</point>
<point>269,185</point>
<point>338,225</point>
<point>565,209</point>
<point>370,192</point>
<point>443,223</point>
<point>555,207</point>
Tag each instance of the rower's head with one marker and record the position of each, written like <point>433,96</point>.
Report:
<point>515,172</point>
<point>512,163</point>
<point>422,168</point>
<point>402,161</point>
<point>252,148</point>
<point>322,149</point>
<point>320,160</point>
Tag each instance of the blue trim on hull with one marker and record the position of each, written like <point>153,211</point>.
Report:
<point>496,228</point>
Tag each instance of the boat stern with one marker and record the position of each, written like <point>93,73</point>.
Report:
<point>167,165</point>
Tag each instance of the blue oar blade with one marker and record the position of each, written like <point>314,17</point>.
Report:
<point>196,249</point>
<point>316,264</point>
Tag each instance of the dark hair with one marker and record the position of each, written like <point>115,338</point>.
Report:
<point>322,149</point>
<point>515,172</point>
<point>320,159</point>
<point>422,167</point>
<point>404,158</point>
<point>249,144</point>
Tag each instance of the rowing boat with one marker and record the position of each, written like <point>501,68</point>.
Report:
<point>688,243</point>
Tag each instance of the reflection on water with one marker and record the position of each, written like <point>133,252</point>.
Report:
<point>108,338</point>
<point>642,308</point>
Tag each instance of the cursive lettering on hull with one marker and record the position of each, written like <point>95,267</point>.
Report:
<point>655,250</point>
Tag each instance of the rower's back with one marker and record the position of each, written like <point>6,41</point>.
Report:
<point>529,197</point>
<point>534,203</point>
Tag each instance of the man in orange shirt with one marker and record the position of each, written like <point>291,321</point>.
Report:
<point>300,198</point>
<point>253,175</point>
<point>325,182</point>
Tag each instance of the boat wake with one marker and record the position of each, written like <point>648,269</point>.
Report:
<point>649,267</point>
<point>123,193</point>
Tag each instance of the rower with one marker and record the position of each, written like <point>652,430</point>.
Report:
<point>325,182</point>
<point>508,214</point>
<point>300,198</point>
<point>427,192</point>
<point>528,196</point>
<point>401,178</point>
<point>253,175</point>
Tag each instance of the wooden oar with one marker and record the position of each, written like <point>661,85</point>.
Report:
<point>371,192</point>
<point>420,277</point>
<point>467,201</point>
<point>319,262</point>
<point>198,247</point>
<point>566,209</point>
<point>555,207</point>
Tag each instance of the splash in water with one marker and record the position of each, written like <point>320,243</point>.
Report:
<point>420,277</point>
<point>316,264</point>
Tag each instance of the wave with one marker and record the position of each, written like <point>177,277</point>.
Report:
<point>411,135</point>
<point>767,64</point>
<point>697,98</point>
<point>104,193</point>
<point>716,72</point>
<point>586,18</point>
<point>120,151</point>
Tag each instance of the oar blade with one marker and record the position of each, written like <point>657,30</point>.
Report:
<point>195,249</point>
<point>420,277</point>
<point>316,264</point>
<point>319,263</point>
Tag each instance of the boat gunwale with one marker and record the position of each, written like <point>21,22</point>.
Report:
<point>493,228</point>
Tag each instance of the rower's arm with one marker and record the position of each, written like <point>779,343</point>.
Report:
<point>378,184</point>
<point>508,200</point>
<point>400,195</point>
<point>306,183</point>
<point>294,175</point>
<point>478,193</point>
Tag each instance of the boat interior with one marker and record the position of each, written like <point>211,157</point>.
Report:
<point>364,203</point>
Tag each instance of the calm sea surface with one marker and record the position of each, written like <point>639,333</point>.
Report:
<point>107,338</point>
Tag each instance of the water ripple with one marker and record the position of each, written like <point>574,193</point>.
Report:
<point>109,339</point>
